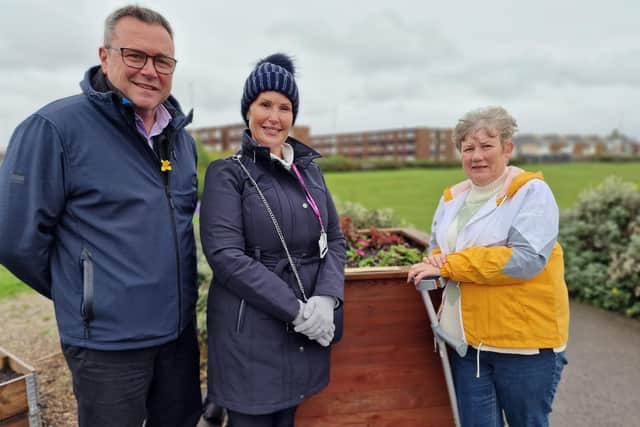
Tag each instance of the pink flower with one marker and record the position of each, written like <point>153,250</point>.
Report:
<point>360,252</point>
<point>364,243</point>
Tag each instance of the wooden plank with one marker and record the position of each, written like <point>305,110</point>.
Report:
<point>393,289</point>
<point>381,354</point>
<point>414,236</point>
<point>359,334</point>
<point>364,273</point>
<point>378,314</point>
<point>390,399</point>
<point>14,404</point>
<point>421,417</point>
<point>21,420</point>
<point>367,378</point>
<point>14,362</point>
<point>13,398</point>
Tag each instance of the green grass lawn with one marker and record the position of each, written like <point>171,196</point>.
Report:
<point>9,284</point>
<point>414,193</point>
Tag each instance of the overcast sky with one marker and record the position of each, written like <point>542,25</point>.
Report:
<point>560,66</point>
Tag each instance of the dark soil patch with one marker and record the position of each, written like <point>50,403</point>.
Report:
<point>7,374</point>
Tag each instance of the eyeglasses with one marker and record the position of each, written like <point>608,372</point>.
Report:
<point>137,59</point>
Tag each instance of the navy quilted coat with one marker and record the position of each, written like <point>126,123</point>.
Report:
<point>257,363</point>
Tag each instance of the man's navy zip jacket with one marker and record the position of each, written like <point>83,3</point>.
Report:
<point>88,219</point>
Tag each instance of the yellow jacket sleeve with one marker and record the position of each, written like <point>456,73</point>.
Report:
<point>479,264</point>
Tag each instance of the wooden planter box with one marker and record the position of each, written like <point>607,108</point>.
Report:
<point>385,371</point>
<point>19,401</point>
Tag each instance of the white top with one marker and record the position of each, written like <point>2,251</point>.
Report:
<point>287,156</point>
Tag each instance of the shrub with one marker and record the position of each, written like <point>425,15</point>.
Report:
<point>345,164</point>
<point>601,239</point>
<point>206,156</point>
<point>362,217</point>
<point>337,164</point>
<point>204,280</point>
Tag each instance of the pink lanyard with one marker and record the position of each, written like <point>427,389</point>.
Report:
<point>312,203</point>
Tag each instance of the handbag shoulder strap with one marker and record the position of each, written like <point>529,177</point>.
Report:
<point>275,224</point>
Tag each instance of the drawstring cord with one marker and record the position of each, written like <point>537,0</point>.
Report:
<point>478,360</point>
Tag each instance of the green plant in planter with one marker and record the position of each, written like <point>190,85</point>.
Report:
<point>377,248</point>
<point>394,255</point>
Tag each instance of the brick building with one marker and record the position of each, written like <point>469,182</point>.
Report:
<point>398,144</point>
<point>424,143</point>
<point>420,143</point>
<point>229,137</point>
<point>574,147</point>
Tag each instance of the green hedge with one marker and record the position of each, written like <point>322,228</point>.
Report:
<point>206,156</point>
<point>601,240</point>
<point>344,164</point>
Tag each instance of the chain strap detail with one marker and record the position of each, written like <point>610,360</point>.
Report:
<point>275,224</point>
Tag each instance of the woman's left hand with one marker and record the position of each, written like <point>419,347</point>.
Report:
<point>421,270</point>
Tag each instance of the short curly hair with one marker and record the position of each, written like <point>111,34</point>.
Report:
<point>493,119</point>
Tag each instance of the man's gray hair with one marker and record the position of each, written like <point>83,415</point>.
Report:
<point>495,120</point>
<point>143,14</point>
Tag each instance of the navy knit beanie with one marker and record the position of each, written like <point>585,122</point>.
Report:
<point>276,73</point>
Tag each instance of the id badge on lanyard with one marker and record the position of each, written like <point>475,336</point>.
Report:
<point>323,245</point>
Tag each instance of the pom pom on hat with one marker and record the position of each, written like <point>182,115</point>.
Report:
<point>273,73</point>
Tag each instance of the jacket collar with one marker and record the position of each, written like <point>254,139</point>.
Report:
<point>516,178</point>
<point>97,87</point>
<point>302,154</point>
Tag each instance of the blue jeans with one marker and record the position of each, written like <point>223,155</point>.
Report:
<point>520,386</point>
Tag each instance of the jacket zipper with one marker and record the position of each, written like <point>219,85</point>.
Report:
<point>86,308</point>
<point>243,303</point>
<point>170,152</point>
<point>174,232</point>
<point>240,320</point>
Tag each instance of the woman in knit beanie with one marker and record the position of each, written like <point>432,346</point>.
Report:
<point>271,234</point>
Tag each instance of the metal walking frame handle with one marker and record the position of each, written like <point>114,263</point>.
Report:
<point>442,338</point>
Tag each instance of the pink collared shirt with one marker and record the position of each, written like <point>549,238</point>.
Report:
<point>162,119</point>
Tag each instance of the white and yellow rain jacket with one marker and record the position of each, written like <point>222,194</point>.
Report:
<point>509,265</point>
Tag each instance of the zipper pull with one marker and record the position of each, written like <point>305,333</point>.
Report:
<point>170,196</point>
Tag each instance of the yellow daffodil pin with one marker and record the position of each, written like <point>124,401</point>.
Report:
<point>165,165</point>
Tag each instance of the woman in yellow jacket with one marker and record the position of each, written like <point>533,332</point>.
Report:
<point>494,242</point>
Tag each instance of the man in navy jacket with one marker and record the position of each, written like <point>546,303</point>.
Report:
<point>97,194</point>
